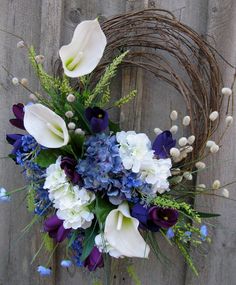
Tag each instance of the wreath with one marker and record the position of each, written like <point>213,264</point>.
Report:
<point>100,190</point>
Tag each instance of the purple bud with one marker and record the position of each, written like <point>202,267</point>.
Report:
<point>54,226</point>
<point>163,143</point>
<point>68,164</point>
<point>94,260</point>
<point>18,110</point>
<point>141,214</point>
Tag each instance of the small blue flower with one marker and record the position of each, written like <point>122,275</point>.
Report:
<point>4,197</point>
<point>203,232</point>
<point>43,271</point>
<point>66,263</point>
<point>188,234</point>
<point>170,233</point>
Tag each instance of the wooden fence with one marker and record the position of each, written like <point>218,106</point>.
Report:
<point>47,24</point>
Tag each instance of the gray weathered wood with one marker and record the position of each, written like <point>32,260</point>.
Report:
<point>217,261</point>
<point>49,23</point>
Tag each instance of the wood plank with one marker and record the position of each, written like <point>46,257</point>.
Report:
<point>217,261</point>
<point>22,18</point>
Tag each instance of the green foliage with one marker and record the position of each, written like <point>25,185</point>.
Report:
<point>30,200</point>
<point>48,242</point>
<point>105,97</point>
<point>46,157</point>
<point>126,99</point>
<point>133,275</point>
<point>47,82</point>
<point>207,215</point>
<point>89,241</point>
<point>113,127</point>
<point>187,257</point>
<point>102,209</point>
<point>104,82</point>
<point>77,143</point>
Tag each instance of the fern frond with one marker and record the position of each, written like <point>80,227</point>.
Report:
<point>105,79</point>
<point>126,99</point>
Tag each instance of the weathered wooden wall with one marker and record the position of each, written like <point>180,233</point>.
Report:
<point>49,23</point>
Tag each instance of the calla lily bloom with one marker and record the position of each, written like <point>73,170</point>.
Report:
<point>45,126</point>
<point>83,54</point>
<point>121,232</point>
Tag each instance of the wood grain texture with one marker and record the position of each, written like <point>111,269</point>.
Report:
<point>47,24</point>
<point>217,261</point>
<point>22,18</point>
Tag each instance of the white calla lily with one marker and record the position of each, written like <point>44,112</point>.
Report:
<point>121,232</point>
<point>45,126</point>
<point>83,54</point>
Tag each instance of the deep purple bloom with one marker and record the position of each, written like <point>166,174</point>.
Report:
<point>163,217</point>
<point>15,141</point>
<point>94,260</point>
<point>141,213</point>
<point>163,143</point>
<point>54,226</point>
<point>69,164</point>
<point>18,110</point>
<point>97,118</point>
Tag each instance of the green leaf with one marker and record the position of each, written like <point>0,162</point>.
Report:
<point>46,157</point>
<point>208,215</point>
<point>80,111</point>
<point>114,127</point>
<point>102,209</point>
<point>89,241</point>
<point>77,143</point>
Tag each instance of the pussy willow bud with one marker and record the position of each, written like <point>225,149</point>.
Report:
<point>174,129</point>
<point>174,115</point>
<point>186,121</point>
<point>213,116</point>
<point>157,131</point>
<point>226,91</point>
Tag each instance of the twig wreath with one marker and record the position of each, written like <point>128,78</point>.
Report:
<point>100,190</point>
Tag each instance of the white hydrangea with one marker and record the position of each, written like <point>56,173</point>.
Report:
<point>134,148</point>
<point>78,216</point>
<point>55,176</point>
<point>71,201</point>
<point>156,172</point>
<point>73,208</point>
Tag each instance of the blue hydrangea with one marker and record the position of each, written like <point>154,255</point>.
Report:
<point>102,170</point>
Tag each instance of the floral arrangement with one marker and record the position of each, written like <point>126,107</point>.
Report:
<point>91,186</point>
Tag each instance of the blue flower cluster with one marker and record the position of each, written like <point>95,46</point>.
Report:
<point>77,249</point>
<point>42,202</point>
<point>27,150</point>
<point>102,170</point>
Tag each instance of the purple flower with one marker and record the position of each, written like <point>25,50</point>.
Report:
<point>54,226</point>
<point>15,140</point>
<point>94,260</point>
<point>68,165</point>
<point>97,118</point>
<point>163,217</point>
<point>141,213</point>
<point>162,144</point>
<point>18,110</point>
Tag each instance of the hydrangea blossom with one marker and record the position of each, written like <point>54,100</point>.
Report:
<point>78,215</point>
<point>102,170</point>
<point>134,148</point>
<point>71,201</point>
